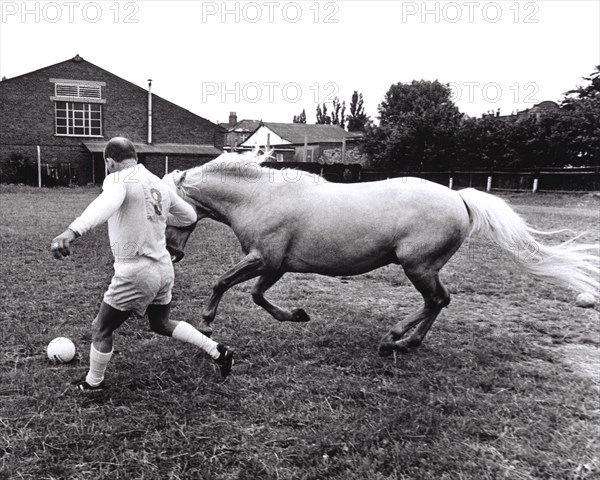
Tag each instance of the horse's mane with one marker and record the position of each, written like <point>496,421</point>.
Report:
<point>246,165</point>
<point>234,160</point>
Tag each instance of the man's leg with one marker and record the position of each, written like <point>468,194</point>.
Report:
<point>103,326</point>
<point>158,316</point>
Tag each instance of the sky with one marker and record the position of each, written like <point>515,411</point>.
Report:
<point>269,60</point>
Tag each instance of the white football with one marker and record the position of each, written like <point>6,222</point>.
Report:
<point>585,300</point>
<point>61,350</point>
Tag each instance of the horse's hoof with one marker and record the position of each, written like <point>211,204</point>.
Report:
<point>386,349</point>
<point>402,346</point>
<point>407,344</point>
<point>205,330</point>
<point>299,315</point>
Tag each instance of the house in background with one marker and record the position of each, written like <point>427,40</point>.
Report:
<point>539,109</point>
<point>307,143</point>
<point>71,109</point>
<point>237,132</point>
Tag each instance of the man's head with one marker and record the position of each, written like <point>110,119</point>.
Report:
<point>117,151</point>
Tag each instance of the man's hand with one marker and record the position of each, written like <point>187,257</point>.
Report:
<point>60,245</point>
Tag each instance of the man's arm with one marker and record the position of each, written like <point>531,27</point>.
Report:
<point>181,213</point>
<point>97,212</point>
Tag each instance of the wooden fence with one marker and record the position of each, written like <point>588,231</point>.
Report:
<point>547,180</point>
<point>586,179</point>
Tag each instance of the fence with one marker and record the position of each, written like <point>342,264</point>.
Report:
<point>50,175</point>
<point>336,172</point>
<point>585,179</point>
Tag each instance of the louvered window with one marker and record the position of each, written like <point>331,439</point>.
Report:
<point>77,90</point>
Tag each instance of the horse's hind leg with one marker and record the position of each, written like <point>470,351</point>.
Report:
<point>262,285</point>
<point>435,297</point>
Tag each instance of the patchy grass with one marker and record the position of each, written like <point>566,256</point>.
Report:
<point>503,386</point>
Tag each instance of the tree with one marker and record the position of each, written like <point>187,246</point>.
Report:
<point>580,122</point>
<point>481,143</point>
<point>300,118</point>
<point>338,118</point>
<point>418,123</point>
<point>357,120</point>
<point>585,92</point>
<point>322,117</point>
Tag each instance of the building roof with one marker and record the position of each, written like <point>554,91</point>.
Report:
<point>547,105</point>
<point>161,148</point>
<point>295,132</point>
<point>78,59</point>
<point>245,125</point>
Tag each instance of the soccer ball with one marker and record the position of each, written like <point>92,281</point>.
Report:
<point>61,350</point>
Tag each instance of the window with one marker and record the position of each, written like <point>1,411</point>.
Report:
<point>280,157</point>
<point>77,90</point>
<point>78,119</point>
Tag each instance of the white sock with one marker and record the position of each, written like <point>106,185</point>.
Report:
<point>98,363</point>
<point>185,332</point>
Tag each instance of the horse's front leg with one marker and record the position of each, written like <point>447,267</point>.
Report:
<point>265,282</point>
<point>251,266</point>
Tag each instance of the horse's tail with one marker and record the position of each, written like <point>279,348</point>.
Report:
<point>568,264</point>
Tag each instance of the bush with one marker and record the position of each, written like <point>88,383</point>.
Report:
<point>18,169</point>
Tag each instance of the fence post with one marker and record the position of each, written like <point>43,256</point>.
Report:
<point>488,187</point>
<point>166,164</point>
<point>451,181</point>
<point>39,155</point>
<point>536,176</point>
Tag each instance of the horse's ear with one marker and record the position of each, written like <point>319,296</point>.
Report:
<point>262,157</point>
<point>175,178</point>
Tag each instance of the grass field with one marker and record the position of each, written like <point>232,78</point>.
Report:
<point>506,384</point>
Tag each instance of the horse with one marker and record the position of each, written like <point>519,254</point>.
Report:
<point>293,221</point>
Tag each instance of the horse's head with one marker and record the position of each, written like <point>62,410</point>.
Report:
<point>174,180</point>
<point>177,237</point>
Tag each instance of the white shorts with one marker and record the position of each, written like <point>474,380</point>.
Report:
<point>138,284</point>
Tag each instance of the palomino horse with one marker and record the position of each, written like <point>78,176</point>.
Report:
<point>291,221</point>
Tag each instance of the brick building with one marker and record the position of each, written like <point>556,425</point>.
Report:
<point>71,109</point>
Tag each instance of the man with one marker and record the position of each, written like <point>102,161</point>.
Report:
<point>137,206</point>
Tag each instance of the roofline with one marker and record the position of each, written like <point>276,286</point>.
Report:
<point>269,125</point>
<point>349,137</point>
<point>38,70</point>
<point>114,75</point>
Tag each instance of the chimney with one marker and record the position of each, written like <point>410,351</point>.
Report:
<point>232,119</point>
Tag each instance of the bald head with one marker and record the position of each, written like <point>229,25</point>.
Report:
<point>119,149</point>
